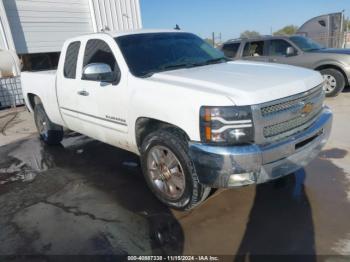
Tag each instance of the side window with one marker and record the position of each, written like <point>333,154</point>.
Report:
<point>230,50</point>
<point>98,51</point>
<point>70,63</point>
<point>255,48</point>
<point>278,47</point>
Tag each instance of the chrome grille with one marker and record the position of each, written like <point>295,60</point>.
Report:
<point>291,104</point>
<point>285,117</point>
<point>286,126</point>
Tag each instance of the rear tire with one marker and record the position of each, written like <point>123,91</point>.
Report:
<point>335,81</point>
<point>49,132</point>
<point>184,194</point>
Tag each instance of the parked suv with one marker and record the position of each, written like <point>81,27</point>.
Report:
<point>333,64</point>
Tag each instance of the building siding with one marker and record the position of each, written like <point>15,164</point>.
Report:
<point>2,36</point>
<point>40,26</point>
<point>116,15</point>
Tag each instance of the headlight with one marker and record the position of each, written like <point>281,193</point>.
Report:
<point>226,125</point>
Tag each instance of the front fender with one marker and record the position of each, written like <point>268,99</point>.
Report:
<point>176,105</point>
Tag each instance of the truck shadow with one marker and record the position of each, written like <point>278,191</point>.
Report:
<point>280,222</point>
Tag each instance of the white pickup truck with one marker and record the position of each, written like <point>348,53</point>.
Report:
<point>196,119</point>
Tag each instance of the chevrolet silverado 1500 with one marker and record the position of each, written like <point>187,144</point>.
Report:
<point>196,119</point>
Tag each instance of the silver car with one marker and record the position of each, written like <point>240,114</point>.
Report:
<point>333,64</point>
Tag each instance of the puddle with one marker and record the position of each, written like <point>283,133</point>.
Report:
<point>86,198</point>
<point>16,173</point>
<point>96,202</point>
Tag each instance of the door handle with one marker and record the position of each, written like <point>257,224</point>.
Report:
<point>273,60</point>
<point>83,93</point>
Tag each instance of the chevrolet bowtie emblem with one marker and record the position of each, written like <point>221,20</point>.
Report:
<point>307,109</point>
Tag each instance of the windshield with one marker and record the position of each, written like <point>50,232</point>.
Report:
<point>306,44</point>
<point>150,53</point>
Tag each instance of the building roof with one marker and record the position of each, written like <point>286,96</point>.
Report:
<point>144,31</point>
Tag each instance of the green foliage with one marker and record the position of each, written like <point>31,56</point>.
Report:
<point>249,34</point>
<point>287,30</point>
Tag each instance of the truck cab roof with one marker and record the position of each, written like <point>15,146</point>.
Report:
<point>124,33</point>
<point>259,38</point>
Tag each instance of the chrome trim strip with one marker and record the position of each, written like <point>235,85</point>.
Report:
<point>96,117</point>
<point>224,128</point>
<point>90,122</point>
<point>226,122</point>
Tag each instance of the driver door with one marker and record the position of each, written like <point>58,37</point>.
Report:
<point>278,52</point>
<point>103,105</point>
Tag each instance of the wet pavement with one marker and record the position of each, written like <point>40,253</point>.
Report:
<point>85,197</point>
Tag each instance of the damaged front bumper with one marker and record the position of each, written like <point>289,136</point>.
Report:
<point>235,166</point>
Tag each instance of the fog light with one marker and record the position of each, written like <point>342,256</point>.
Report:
<point>241,179</point>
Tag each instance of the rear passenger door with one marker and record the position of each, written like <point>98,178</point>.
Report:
<point>68,86</point>
<point>255,51</point>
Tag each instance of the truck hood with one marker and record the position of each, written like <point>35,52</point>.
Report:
<point>245,83</point>
<point>341,51</point>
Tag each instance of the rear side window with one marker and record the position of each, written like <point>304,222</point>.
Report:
<point>255,48</point>
<point>98,51</point>
<point>70,64</point>
<point>230,50</point>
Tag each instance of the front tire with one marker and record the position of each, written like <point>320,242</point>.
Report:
<point>49,132</point>
<point>335,81</point>
<point>169,171</point>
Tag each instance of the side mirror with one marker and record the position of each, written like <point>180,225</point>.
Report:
<point>100,72</point>
<point>290,51</point>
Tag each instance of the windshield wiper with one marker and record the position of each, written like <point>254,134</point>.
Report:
<point>168,67</point>
<point>215,61</point>
<point>175,66</point>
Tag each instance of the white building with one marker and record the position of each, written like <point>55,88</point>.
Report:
<point>41,26</point>
<point>36,30</point>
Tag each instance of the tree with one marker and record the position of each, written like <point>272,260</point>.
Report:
<point>249,34</point>
<point>287,30</point>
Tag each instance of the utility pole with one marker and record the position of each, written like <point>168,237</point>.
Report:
<point>216,39</point>
<point>347,32</point>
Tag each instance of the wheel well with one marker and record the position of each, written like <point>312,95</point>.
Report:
<point>336,68</point>
<point>145,126</point>
<point>33,100</point>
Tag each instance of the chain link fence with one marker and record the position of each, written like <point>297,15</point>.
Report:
<point>10,92</point>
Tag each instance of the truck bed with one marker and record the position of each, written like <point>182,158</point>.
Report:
<point>43,85</point>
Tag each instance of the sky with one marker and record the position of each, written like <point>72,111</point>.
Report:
<point>231,17</point>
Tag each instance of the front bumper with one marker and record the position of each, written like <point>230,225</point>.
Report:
<point>234,166</point>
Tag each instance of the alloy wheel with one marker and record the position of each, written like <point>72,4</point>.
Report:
<point>166,173</point>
